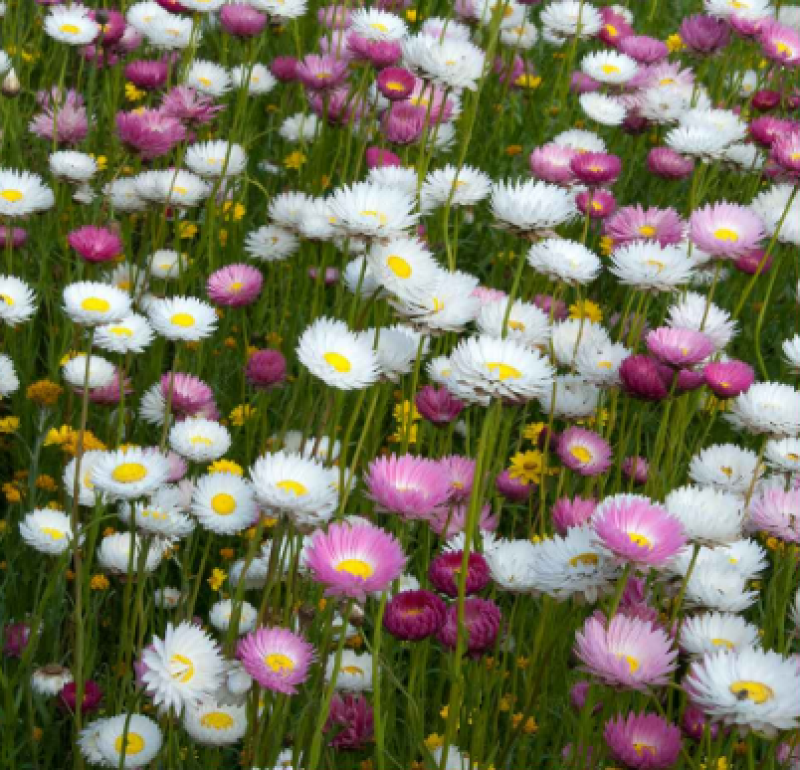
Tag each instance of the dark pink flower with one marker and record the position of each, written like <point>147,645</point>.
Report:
<point>92,696</point>
<point>234,285</point>
<point>703,34</point>
<point>598,204</point>
<point>414,615</point>
<point>321,73</point>
<point>695,723</point>
<point>643,741</point>
<point>96,244</point>
<point>765,100</point>
<point>755,261</point>
<point>765,130</point>
<point>15,639</point>
<point>403,123</point>
<point>438,405</point>
<point>266,368</point>
<point>728,379</point>
<point>112,26</point>
<point>379,53</point>
<point>614,28</point>
<point>482,624</point>
<point>152,133</point>
<point>12,237</point>
<point>396,83</point>
<point>189,106</point>
<point>668,164</point>
<point>242,20</point>
<point>444,573</point>
<point>635,469</point>
<point>514,490</point>
<point>350,721</point>
<point>148,74</point>
<point>643,377</point>
<point>569,513</point>
<point>284,68</point>
<point>377,157</point>
<point>645,50</point>
<point>581,83</point>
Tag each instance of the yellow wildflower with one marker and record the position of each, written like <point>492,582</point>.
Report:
<point>44,392</point>
<point>513,149</point>
<point>47,483</point>
<point>12,493</point>
<point>527,467</point>
<point>9,424</point>
<point>606,245</point>
<point>217,579</point>
<point>530,82</point>
<point>533,431</point>
<point>134,94</point>
<point>99,583</point>
<point>434,741</point>
<point>241,414</point>
<point>295,160</point>
<point>233,211</point>
<point>187,230</point>
<point>675,43</point>
<point>586,309</point>
<point>227,553</point>
<point>411,15</point>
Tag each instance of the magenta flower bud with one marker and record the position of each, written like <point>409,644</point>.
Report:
<point>173,6</point>
<point>438,405</point>
<point>572,513</point>
<point>235,285</point>
<point>728,379</point>
<point>15,639</point>
<point>321,73</point>
<point>577,696</point>
<point>755,261</point>
<point>403,123</point>
<point>150,132</point>
<point>112,26</point>
<point>147,74</point>
<point>444,573</point>
<point>414,615</point>
<point>765,100</point>
<point>558,308</point>
<point>598,204</point>
<point>635,469</point>
<point>482,620</point>
<point>449,521</point>
<point>177,467</point>
<point>668,164</point>
<point>350,721</point>
<point>377,157</point>
<point>645,50</point>
<point>96,244</point>
<point>242,20</point>
<point>513,490</point>
<point>643,377</point>
<point>581,83</point>
<point>635,124</point>
<point>284,68</point>
<point>330,277</point>
<point>694,723</point>
<point>266,368</point>
<point>553,163</point>
<point>12,237</point>
<point>703,34</point>
<point>679,347</point>
<point>688,380</point>
<point>92,696</point>
<point>396,83</point>
<point>393,5</point>
<point>379,53</point>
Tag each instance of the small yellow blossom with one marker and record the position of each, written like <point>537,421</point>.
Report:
<point>295,160</point>
<point>411,15</point>
<point>134,94</point>
<point>675,43</point>
<point>530,82</point>
<point>434,741</point>
<point>12,492</point>
<point>217,579</point>
<point>69,356</point>
<point>99,583</point>
<point>513,149</point>
<point>37,734</point>
<point>533,431</point>
<point>586,309</point>
<point>44,392</point>
<point>227,553</point>
<point>233,211</point>
<point>241,414</point>
<point>226,466</point>
<point>9,424</point>
<point>187,230</point>
<point>606,245</point>
<point>47,483</point>
<point>527,467</point>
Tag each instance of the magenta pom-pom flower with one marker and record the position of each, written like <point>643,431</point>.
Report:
<point>482,624</point>
<point>189,106</point>
<point>266,368</point>
<point>645,50</point>
<point>276,658</point>
<point>668,164</point>
<point>96,244</point>
<point>596,168</point>
<point>444,572</point>
<point>726,230</point>
<point>643,741</point>
<point>638,531</point>
<point>396,83</point>
<point>350,721</point>
<point>704,34</point>
<point>377,157</point>
<point>635,469</point>
<point>235,285</point>
<point>625,652</point>
<point>354,560</point>
<point>152,133</point>
<point>728,379</point>
<point>646,378</point>
<point>321,73</point>
<point>147,74</point>
<point>92,697</point>
<point>461,471</point>
<point>410,486</point>
<point>679,347</point>
<point>634,223</point>
<point>241,20</point>
<point>584,451</point>
<point>598,204</point>
<point>575,512</point>
<point>414,615</point>
<point>438,405</point>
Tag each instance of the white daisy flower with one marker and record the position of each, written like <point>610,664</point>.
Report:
<point>580,140</point>
<point>287,209</point>
<point>9,382</point>
<point>355,672</point>
<point>401,178</point>
<point>317,222</point>
<point>254,577</point>
<point>236,684</point>
<point>221,614</point>
<point>716,585</point>
<point>529,206</point>
<point>396,349</point>
<point>504,369</point>
<point>71,25</point>
<point>449,185</point>
<point>300,127</point>
<point>47,531</point>
<point>128,741</point>
<point>439,28</point>
<point>450,63</point>
<point>215,724</point>
<point>131,334</point>
<point>285,10</point>
<point>224,503</point>
<point>166,263</point>
<point>271,243</point>
<point>564,260</point>
<point>87,741</point>
<point>72,165</point>
<point>600,363</point>
<point>301,487</point>
<point>199,440</point>
<point>173,187</point>
<point>258,80</point>
<point>208,78</point>
<point>124,196</point>
<point>340,358</point>
<point>182,318</point>
<point>708,515</point>
<point>182,668</point>
<point>571,18</point>
<point>649,266</point>
<point>574,398</point>
<point>404,266</point>
<point>94,372</point>
<point>526,323</point>
<point>767,407</point>
<point>216,159</point>
<point>23,193</point>
<point>727,123</point>
<point>746,157</point>
<point>770,205</point>
<point>203,6</point>
<point>447,305</point>
<point>748,9</point>
<point>114,554</point>
<point>377,26</point>
<point>360,278</point>
<point>610,67</point>
<point>157,517</point>
<point>702,142</point>
<point>726,467</point>
<point>17,300</point>
<point>372,211</point>
<point>570,337</point>
<point>694,311</point>
<point>50,680</point>
<point>129,473</point>
<point>603,109</point>
<point>747,688</point>
<point>713,631</point>
<point>87,495</point>
<point>511,564</point>
<point>91,303</point>
<point>522,36</point>
<point>783,455</point>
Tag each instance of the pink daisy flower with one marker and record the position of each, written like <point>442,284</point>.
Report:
<point>266,368</point>
<point>482,620</point>
<point>679,347</point>
<point>581,83</point>
<point>96,244</point>
<point>767,129</point>
<point>513,490</point>
<point>354,560</point>
<point>572,513</point>
<point>276,658</point>
<point>704,34</point>
<point>777,513</point>
<point>728,379</point>
<point>634,223</point>
<point>726,230</point>
<point>635,529</point>
<point>584,451</point>
<point>241,20</point>
<point>396,83</point>
<point>625,652</point>
<point>447,522</point>
<point>67,122</point>
<point>645,378</point>
<point>553,163</point>
<point>403,123</point>
<point>414,615</point>
<point>377,157</point>
<point>189,106</point>
<point>615,28</point>
<point>596,168</point>
<point>321,73</point>
<point>668,164</point>
<point>645,50</point>
<point>643,741</point>
<point>152,133</point>
<point>598,204</point>
<point>635,469</point>
<point>786,152</point>
<point>191,397</point>
<point>148,74</point>
<point>410,486</point>
<point>235,285</point>
<point>461,471</point>
<point>379,53</point>
<point>445,569</point>
<point>780,43</point>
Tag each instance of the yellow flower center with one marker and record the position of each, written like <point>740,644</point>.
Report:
<point>185,668</point>
<point>604,365</point>
<point>504,371</point>
<point>399,266</point>
<point>382,218</point>
<point>204,440</point>
<point>611,30</point>
<point>292,486</point>
<point>757,692</point>
<point>180,190</point>
<point>53,533</point>
<point>783,48</point>
<point>633,664</point>
<point>356,567</point>
<point>354,670</point>
<point>393,85</point>
<point>640,748</point>
<point>379,27</point>
<point>70,29</point>
<point>610,69</point>
<point>130,744</point>
<point>120,331</point>
<point>205,81</point>
<point>438,305</point>
<point>217,720</point>
<point>95,305</point>
<point>722,643</point>
<point>279,663</point>
<point>648,231</point>
<point>666,81</point>
<point>793,457</point>
<point>727,471</point>
<point>726,234</point>
<point>12,196</point>
<point>640,540</point>
<point>581,454</point>
<point>236,287</point>
<point>659,266</point>
<point>338,362</point>
<point>129,473</point>
<point>223,504</point>
<point>182,319</point>
<point>585,559</point>
<point>517,326</point>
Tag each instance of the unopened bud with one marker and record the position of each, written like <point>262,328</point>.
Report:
<point>11,85</point>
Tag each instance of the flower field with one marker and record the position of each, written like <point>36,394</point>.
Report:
<point>400,386</point>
